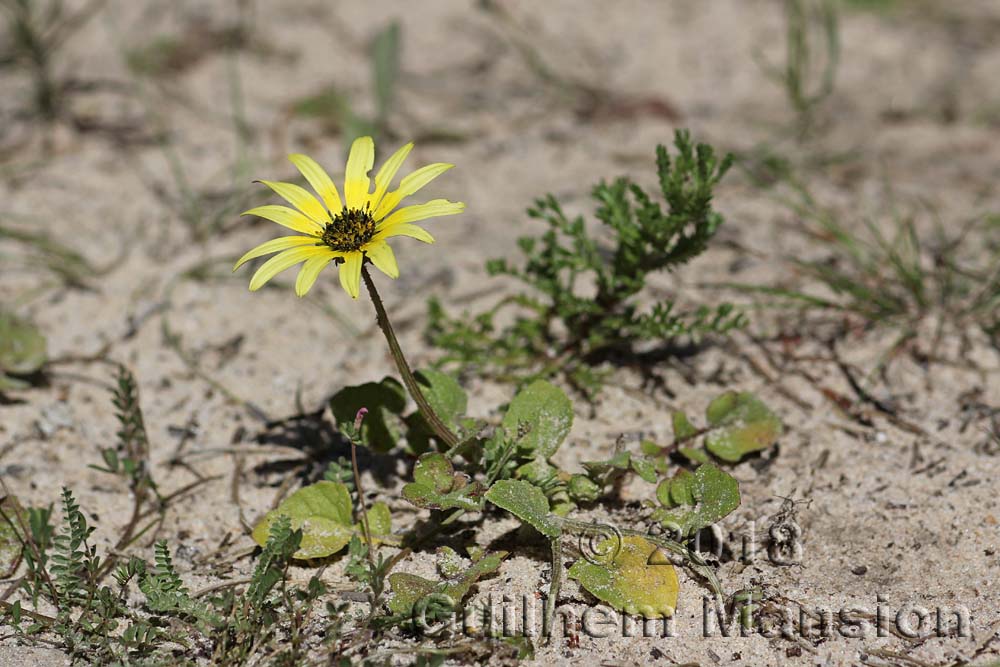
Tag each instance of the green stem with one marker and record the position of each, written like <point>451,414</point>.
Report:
<point>438,426</point>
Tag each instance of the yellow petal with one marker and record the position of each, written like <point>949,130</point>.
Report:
<point>405,229</point>
<point>274,245</point>
<point>431,209</point>
<point>300,198</point>
<point>409,185</point>
<point>309,272</point>
<point>282,261</point>
<point>286,217</point>
<point>387,172</point>
<point>319,180</point>
<point>359,163</point>
<point>350,273</point>
<point>382,257</point>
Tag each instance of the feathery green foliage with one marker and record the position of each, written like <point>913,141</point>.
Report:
<point>584,302</point>
<point>130,458</point>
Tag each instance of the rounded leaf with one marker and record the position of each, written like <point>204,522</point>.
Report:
<point>322,511</point>
<point>545,412</point>
<point>639,580</point>
<point>22,346</point>
<point>740,424</point>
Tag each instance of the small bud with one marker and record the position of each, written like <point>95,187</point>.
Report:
<point>358,418</point>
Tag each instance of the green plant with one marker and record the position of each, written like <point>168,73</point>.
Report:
<point>890,276</point>
<point>528,485</point>
<point>806,84</point>
<point>36,30</point>
<point>65,570</point>
<point>559,327</point>
<point>99,623</point>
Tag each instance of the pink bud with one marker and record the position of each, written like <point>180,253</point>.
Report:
<point>358,418</point>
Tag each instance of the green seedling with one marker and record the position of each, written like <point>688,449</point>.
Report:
<point>810,26</point>
<point>417,600</point>
<point>436,485</point>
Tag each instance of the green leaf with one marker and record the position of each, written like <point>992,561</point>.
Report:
<point>447,399</point>
<point>436,485</point>
<point>8,383</point>
<point>650,448</point>
<point>583,489</point>
<point>545,412</point>
<point>11,538</point>
<point>638,580</point>
<point>683,428</point>
<point>385,401</point>
<point>528,503</point>
<point>458,589</point>
<point>22,349</point>
<point>410,589</point>
<point>449,563</point>
<point>740,424</point>
<point>711,492</point>
<point>445,395</point>
<point>695,455</point>
<point>322,511</point>
<point>644,469</point>
<point>379,519</point>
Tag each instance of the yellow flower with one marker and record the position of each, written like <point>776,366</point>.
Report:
<point>350,230</point>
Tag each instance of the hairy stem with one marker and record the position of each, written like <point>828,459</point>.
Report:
<point>438,426</point>
<point>357,486</point>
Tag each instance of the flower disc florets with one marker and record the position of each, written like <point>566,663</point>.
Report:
<point>350,230</point>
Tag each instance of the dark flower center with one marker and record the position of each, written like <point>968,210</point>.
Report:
<point>350,230</point>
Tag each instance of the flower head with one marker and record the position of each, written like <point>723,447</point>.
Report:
<point>349,230</point>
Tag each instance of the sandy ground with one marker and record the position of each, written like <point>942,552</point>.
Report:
<point>894,514</point>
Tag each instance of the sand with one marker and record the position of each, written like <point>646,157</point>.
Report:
<point>894,513</point>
